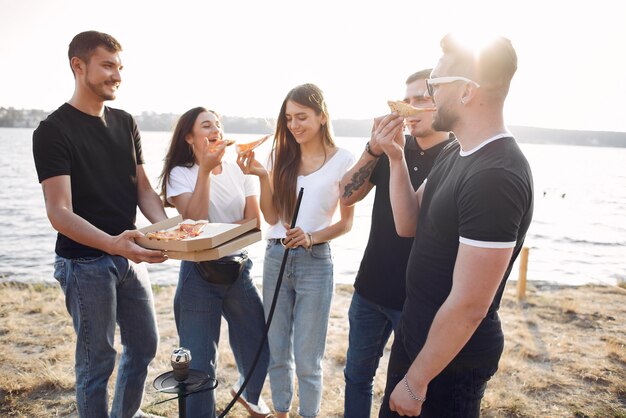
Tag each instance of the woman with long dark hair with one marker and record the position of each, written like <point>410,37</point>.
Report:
<point>201,186</point>
<point>304,155</point>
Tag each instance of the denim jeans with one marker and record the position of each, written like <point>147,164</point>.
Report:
<point>198,310</point>
<point>455,393</point>
<point>100,291</point>
<point>298,330</point>
<point>370,327</point>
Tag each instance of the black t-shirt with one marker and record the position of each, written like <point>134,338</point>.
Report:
<point>381,276</point>
<point>100,154</point>
<point>485,196</point>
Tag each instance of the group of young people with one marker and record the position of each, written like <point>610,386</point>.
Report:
<point>450,215</point>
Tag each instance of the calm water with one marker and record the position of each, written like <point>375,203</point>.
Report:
<point>578,233</point>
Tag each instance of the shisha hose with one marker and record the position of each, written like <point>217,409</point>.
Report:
<point>270,314</point>
<point>183,394</point>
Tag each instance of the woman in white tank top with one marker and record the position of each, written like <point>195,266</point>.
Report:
<point>201,186</point>
<point>304,155</point>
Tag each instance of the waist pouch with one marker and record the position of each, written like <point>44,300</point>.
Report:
<point>226,270</point>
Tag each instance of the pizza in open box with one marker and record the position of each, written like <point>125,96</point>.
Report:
<point>184,230</point>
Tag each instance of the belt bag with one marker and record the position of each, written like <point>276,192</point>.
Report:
<point>226,270</point>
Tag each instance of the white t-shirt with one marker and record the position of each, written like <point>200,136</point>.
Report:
<point>228,190</point>
<point>320,197</point>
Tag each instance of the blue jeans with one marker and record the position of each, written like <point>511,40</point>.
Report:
<point>100,291</point>
<point>370,327</point>
<point>198,310</point>
<point>455,393</point>
<point>300,322</point>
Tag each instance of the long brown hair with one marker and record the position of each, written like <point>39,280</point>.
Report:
<point>285,157</point>
<point>180,152</point>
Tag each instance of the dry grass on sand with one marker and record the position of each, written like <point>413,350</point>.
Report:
<point>565,355</point>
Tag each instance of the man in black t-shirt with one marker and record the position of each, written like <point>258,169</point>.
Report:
<point>90,165</point>
<point>469,221</point>
<point>379,286</point>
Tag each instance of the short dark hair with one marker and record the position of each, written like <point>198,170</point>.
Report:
<point>493,64</point>
<point>420,75</point>
<point>83,45</point>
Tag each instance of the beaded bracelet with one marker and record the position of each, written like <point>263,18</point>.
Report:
<point>408,389</point>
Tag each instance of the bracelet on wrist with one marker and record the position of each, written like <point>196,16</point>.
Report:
<point>408,389</point>
<point>370,152</point>
<point>310,239</point>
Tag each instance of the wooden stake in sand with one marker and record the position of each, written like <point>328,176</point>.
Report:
<point>523,268</point>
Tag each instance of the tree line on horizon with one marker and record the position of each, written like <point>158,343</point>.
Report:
<point>152,121</point>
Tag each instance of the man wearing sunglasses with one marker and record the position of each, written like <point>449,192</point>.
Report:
<point>380,282</point>
<point>469,221</point>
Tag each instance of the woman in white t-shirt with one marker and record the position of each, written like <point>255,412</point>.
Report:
<point>304,155</point>
<point>201,186</point>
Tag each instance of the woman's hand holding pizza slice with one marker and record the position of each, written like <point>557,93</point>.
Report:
<point>249,165</point>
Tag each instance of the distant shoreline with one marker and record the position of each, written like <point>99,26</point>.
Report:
<point>164,122</point>
<point>538,284</point>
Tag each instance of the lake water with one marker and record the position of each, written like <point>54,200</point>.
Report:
<point>578,234</point>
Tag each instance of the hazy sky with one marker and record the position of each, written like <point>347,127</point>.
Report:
<point>242,57</point>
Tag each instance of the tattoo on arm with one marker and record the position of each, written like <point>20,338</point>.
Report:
<point>358,178</point>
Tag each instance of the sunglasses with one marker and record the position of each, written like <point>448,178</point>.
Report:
<point>431,82</point>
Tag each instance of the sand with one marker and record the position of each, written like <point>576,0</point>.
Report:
<point>565,355</point>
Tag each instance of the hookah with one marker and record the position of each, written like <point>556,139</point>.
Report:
<point>182,380</point>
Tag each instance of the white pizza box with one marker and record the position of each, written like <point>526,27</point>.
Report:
<point>211,236</point>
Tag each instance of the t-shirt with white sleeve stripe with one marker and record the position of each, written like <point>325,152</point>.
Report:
<point>483,198</point>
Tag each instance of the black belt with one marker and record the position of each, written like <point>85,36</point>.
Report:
<point>279,241</point>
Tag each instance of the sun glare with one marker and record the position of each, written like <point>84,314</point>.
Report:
<point>475,40</point>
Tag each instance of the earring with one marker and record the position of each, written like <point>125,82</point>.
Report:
<point>462,101</point>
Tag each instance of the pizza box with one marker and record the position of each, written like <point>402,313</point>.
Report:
<point>212,236</point>
<point>220,251</point>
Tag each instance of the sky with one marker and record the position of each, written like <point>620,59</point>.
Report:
<point>241,58</point>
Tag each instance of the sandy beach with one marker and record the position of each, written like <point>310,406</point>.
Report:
<point>565,354</point>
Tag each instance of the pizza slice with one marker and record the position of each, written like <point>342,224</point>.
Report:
<point>405,110</point>
<point>249,146</point>
<point>213,147</point>
<point>180,232</point>
<point>167,235</point>
<point>192,229</point>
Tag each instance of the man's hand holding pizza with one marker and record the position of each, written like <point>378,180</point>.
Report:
<point>389,135</point>
<point>124,245</point>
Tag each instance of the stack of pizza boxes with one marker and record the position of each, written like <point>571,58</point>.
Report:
<point>215,240</point>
